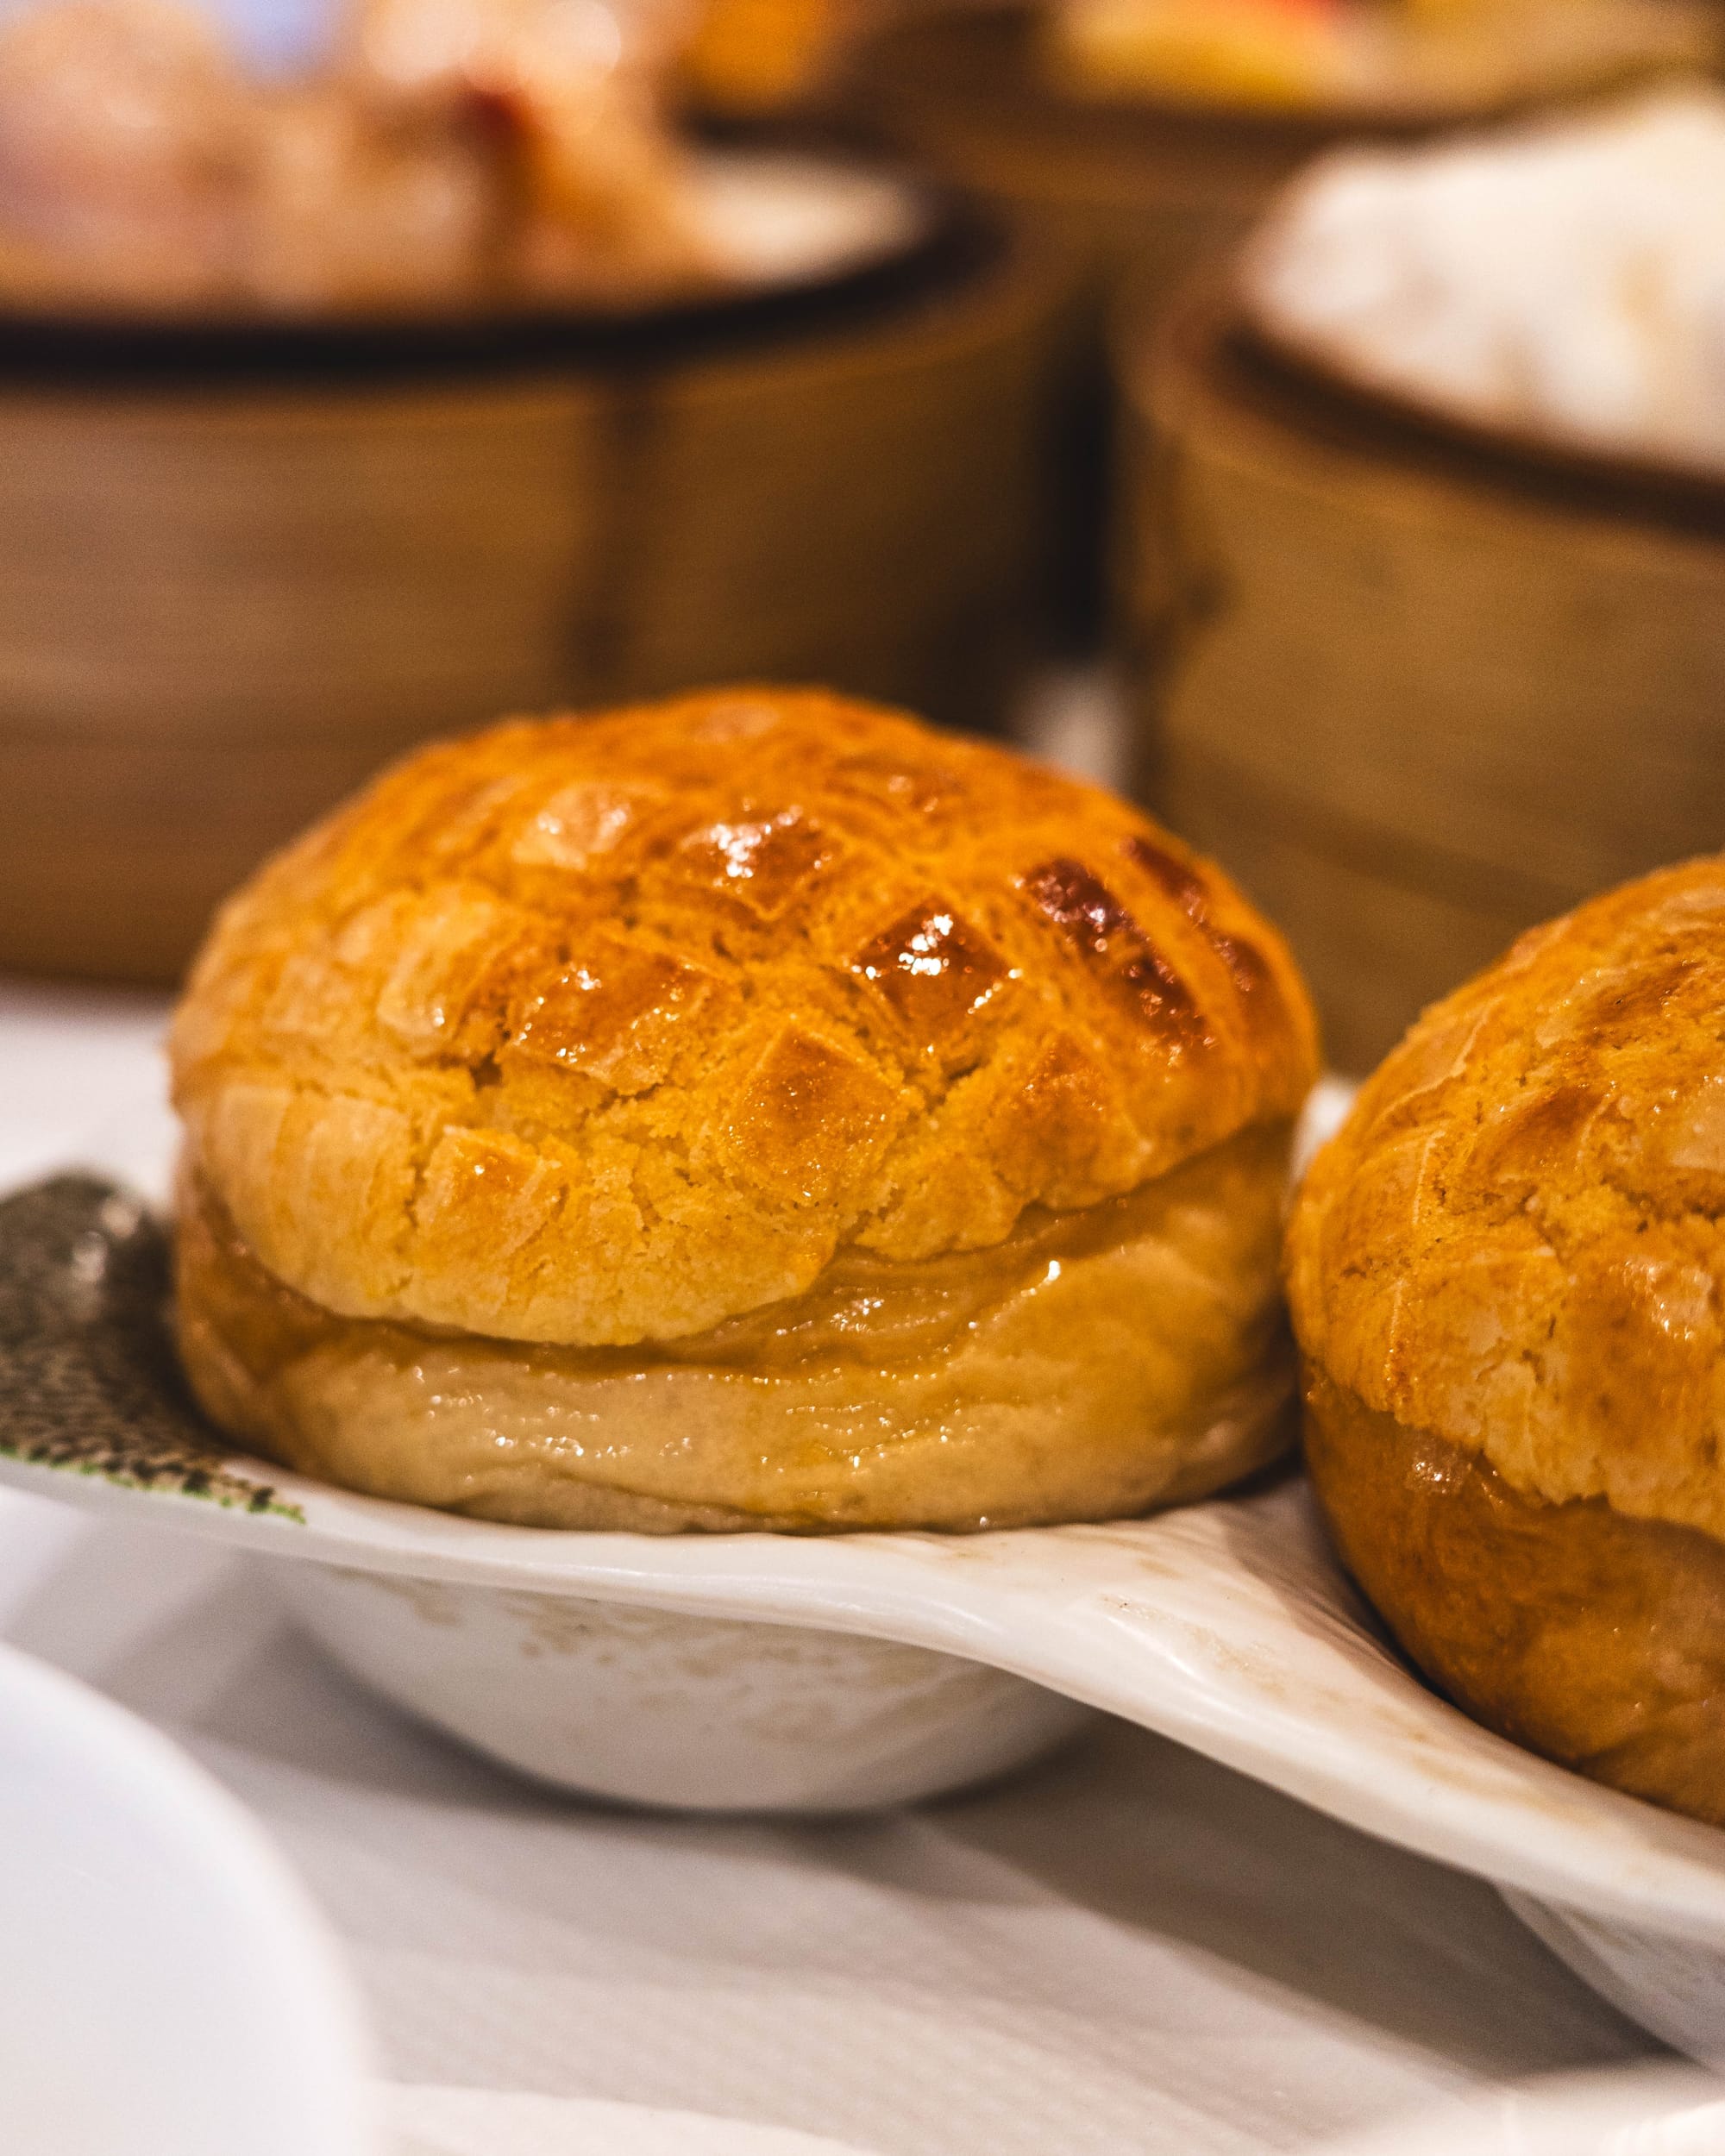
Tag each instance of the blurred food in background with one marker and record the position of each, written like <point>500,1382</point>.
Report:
<point>1145,131</point>
<point>768,56</point>
<point>450,151</point>
<point>441,153</point>
<point>447,373</point>
<point>1424,58</point>
<point>1567,282</point>
<point>566,97</point>
<point>1146,135</point>
<point>1424,560</point>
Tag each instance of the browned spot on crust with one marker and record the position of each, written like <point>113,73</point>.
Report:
<point>811,1119</point>
<point>764,864</point>
<point>1179,879</point>
<point>1058,1116</point>
<point>580,824</point>
<point>1069,894</point>
<point>1521,1148</point>
<point>925,790</point>
<point>1621,1013</point>
<point>453,965</point>
<point>1254,981</point>
<point>933,968</point>
<point>1248,967</point>
<point>616,1017</point>
<point>487,1189</point>
<point>1116,950</point>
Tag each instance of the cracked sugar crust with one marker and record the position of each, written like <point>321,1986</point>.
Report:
<point>1515,1240</point>
<point>597,1030</point>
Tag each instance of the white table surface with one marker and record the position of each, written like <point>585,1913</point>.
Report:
<point>1126,1950</point>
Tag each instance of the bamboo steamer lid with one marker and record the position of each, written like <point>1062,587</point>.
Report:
<point>1417,691</point>
<point>225,600</point>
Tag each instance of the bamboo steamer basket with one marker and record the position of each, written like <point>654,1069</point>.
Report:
<point>1123,181</point>
<point>1418,690</point>
<point>225,599</point>
<point>1117,185</point>
<point>1133,191</point>
<point>1127,182</point>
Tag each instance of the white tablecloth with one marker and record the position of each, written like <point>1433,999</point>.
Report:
<point>1127,1949</point>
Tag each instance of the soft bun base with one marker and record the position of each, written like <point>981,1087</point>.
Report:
<point>1096,1363</point>
<point>1570,1628</point>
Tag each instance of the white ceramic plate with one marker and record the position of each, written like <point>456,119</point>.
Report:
<point>1226,1625</point>
<point>763,1671</point>
<point>432,2121</point>
<point>164,1986</point>
<point>751,1671</point>
<point>1637,2111</point>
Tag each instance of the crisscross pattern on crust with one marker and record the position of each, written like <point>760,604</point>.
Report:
<point>595,1029</point>
<point>1517,1240</point>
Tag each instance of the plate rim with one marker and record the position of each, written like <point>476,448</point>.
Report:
<point>1536,1828</point>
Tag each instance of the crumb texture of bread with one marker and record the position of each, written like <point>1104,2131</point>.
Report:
<point>596,1030</point>
<point>1515,1243</point>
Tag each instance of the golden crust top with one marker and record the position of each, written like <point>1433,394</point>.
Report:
<point>596,1030</point>
<point>1515,1241</point>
